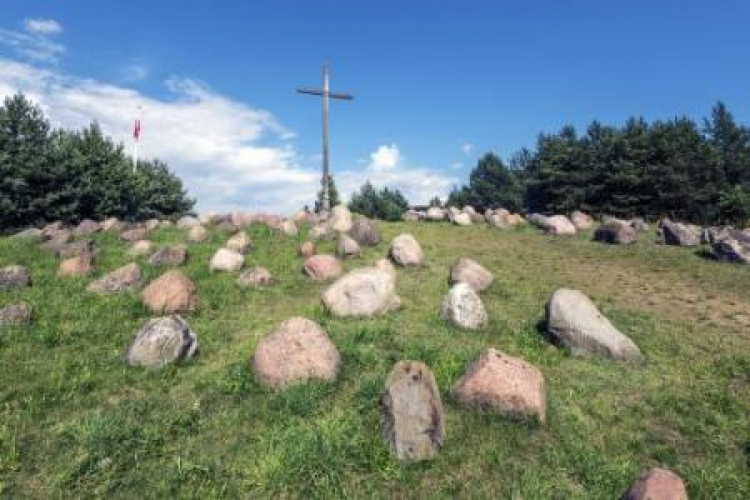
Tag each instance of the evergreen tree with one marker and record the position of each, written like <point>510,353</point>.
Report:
<point>386,204</point>
<point>333,195</point>
<point>491,185</point>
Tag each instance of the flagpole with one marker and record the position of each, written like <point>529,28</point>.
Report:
<point>136,137</point>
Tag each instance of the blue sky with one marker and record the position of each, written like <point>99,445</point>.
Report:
<point>436,84</point>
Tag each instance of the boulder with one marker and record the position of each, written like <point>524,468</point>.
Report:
<point>473,214</point>
<point>75,249</point>
<point>113,224</point>
<point>346,246</point>
<point>187,222</point>
<point>297,351</point>
<point>386,266</point>
<point>575,322</point>
<point>411,216</point>
<point>516,220</point>
<point>197,234</point>
<point>170,293</point>
<point>57,241</point>
<point>86,227</point>
<point>463,307</point>
<point>472,273</point>
<point>227,260</point>
<point>365,233</point>
<point>14,276</point>
<point>257,277</point>
<point>503,384</point>
<point>126,278</point>
<point>731,245</point>
<point>321,232</point>
<point>227,226</point>
<point>209,219</point>
<point>559,225</point>
<point>240,243</point>
<point>307,249</point>
<point>162,341</point>
<point>81,265</point>
<point>135,234</point>
<point>581,221</point>
<point>165,224</point>
<point>322,267</point>
<point>616,232</point>
<point>435,214</point>
<point>152,224</point>
<point>639,225</point>
<point>32,234</point>
<point>412,413</point>
<point>341,219</point>
<point>675,233</point>
<point>15,314</point>
<point>462,219</point>
<point>657,484</point>
<point>363,292</point>
<point>405,251</point>
<point>288,227</point>
<point>141,247</point>
<point>174,255</point>
<point>498,218</point>
<point>538,220</point>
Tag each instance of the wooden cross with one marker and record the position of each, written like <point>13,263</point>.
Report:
<point>326,94</point>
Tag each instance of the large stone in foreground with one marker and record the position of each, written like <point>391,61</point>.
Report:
<point>15,314</point>
<point>126,278</point>
<point>406,251</point>
<point>14,276</point>
<point>227,260</point>
<point>322,267</point>
<point>298,350</point>
<point>174,255</point>
<point>413,419</point>
<point>463,307</point>
<point>575,322</point>
<point>362,292</point>
<point>169,293</point>
<point>657,484</point>
<point>503,384</point>
<point>469,271</point>
<point>162,341</point>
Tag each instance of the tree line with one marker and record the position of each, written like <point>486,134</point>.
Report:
<point>668,168</point>
<point>68,175</point>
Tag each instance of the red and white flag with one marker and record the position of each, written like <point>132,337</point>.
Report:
<point>137,130</point>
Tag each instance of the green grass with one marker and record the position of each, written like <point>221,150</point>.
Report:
<point>76,421</point>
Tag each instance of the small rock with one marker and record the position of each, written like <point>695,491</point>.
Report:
<point>80,265</point>
<point>616,232</point>
<point>14,276</point>
<point>322,267</point>
<point>141,247</point>
<point>472,273</point>
<point>298,350</point>
<point>658,484</point>
<point>504,384</point>
<point>15,314</point>
<point>365,233</point>
<point>575,322</point>
<point>174,255</point>
<point>135,234</point>
<point>240,243</point>
<point>362,292</point>
<point>227,260</point>
<point>169,293</point>
<point>257,277</point>
<point>346,246</point>
<point>463,307</point>
<point>125,278</point>
<point>162,341</point>
<point>413,419</point>
<point>307,249</point>
<point>405,251</point>
<point>197,234</point>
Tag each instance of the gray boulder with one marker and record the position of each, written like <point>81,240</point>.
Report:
<point>14,276</point>
<point>346,246</point>
<point>575,322</point>
<point>732,246</point>
<point>559,225</point>
<point>257,277</point>
<point>472,273</point>
<point>413,418</point>
<point>365,233</point>
<point>87,227</point>
<point>616,232</point>
<point>174,255</point>
<point>322,267</point>
<point>126,278</point>
<point>362,292</point>
<point>463,307</point>
<point>406,251</point>
<point>15,314</point>
<point>162,341</point>
<point>675,233</point>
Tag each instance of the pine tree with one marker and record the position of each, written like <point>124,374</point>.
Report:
<point>333,195</point>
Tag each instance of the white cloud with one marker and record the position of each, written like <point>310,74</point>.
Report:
<point>388,168</point>
<point>42,26</point>
<point>229,155</point>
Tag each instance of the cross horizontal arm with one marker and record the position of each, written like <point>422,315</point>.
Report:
<point>332,95</point>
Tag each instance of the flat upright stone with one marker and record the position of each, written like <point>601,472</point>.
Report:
<point>170,293</point>
<point>412,413</point>
<point>657,484</point>
<point>14,276</point>
<point>341,219</point>
<point>347,246</point>
<point>127,278</point>
<point>469,271</point>
<point>406,251</point>
<point>240,243</point>
<point>503,384</point>
<point>15,314</point>
<point>575,322</point>
<point>257,277</point>
<point>463,307</point>
<point>676,233</point>
<point>174,255</point>
<point>227,260</point>
<point>162,341</point>
<point>322,267</point>
<point>363,292</point>
<point>298,350</point>
<point>141,247</point>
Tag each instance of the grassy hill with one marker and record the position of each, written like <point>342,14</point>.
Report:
<point>76,421</point>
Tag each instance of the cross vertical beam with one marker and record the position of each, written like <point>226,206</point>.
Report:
<point>326,94</point>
